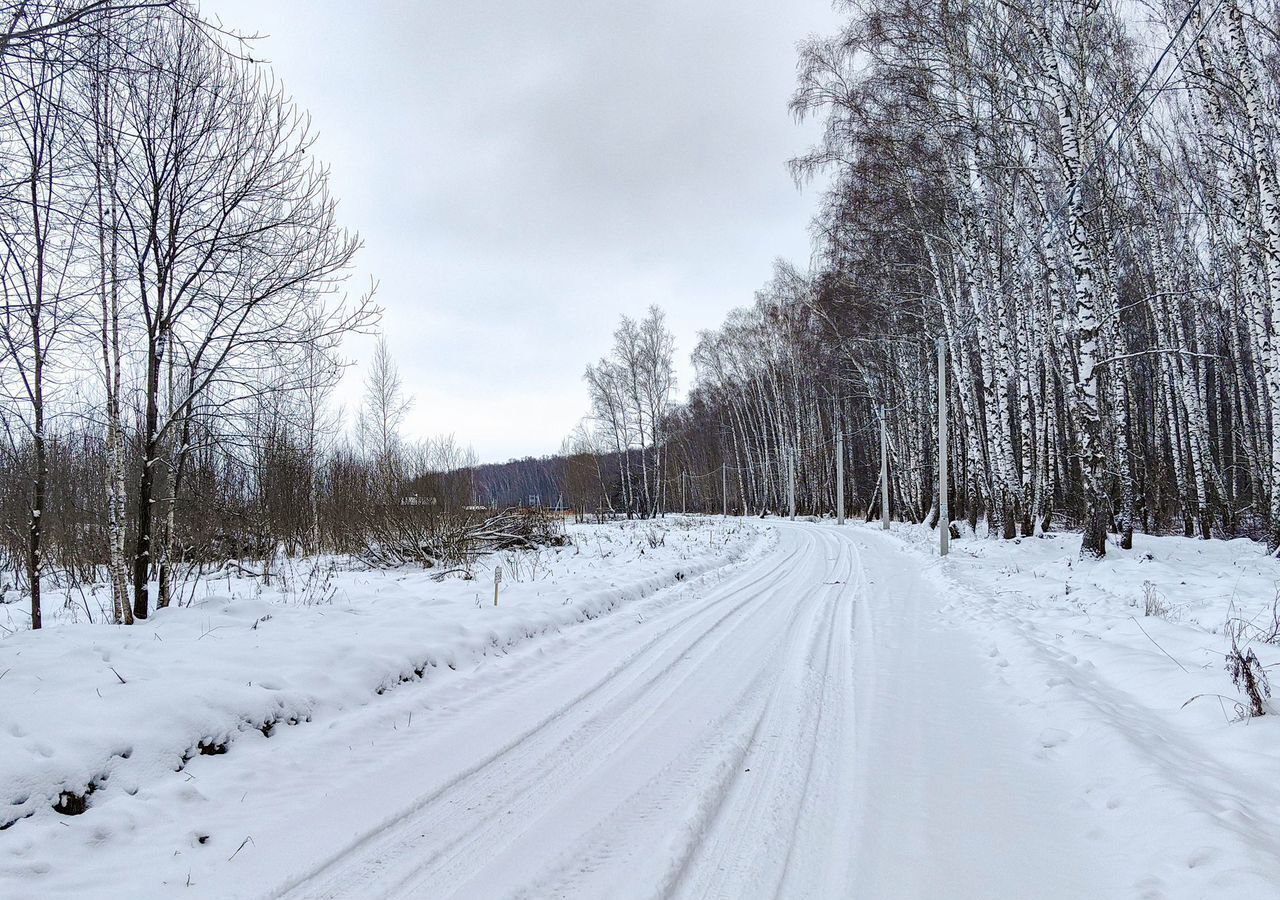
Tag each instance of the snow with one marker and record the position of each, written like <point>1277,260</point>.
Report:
<point>122,711</point>
<point>1139,707</point>
<point>684,708</point>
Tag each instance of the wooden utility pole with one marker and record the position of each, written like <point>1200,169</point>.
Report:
<point>791,483</point>
<point>839,476</point>
<point>884,473</point>
<point>944,514</point>
<point>724,487</point>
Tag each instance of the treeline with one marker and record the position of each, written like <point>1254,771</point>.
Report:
<point>531,481</point>
<point>1080,201</point>
<point>584,478</point>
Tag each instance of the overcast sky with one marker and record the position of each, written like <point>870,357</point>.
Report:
<point>524,173</point>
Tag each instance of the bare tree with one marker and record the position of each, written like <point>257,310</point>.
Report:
<point>232,241</point>
<point>40,234</point>
<point>381,416</point>
<point>631,390</point>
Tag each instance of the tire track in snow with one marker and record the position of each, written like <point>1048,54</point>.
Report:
<point>754,838</point>
<point>710,770</point>
<point>339,877</point>
<point>590,748</point>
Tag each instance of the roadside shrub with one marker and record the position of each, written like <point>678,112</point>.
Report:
<point>1247,672</point>
<point>1153,602</point>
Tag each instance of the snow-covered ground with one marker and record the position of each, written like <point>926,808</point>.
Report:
<point>1121,664</point>
<point>121,715</point>
<point>686,708</point>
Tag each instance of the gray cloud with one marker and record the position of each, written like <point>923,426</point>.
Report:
<point>524,173</point>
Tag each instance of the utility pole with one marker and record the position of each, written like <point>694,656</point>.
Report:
<point>724,487</point>
<point>791,483</point>
<point>944,514</point>
<point>884,472</point>
<point>839,475</point>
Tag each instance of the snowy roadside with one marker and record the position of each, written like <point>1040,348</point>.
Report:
<point>1121,663</point>
<point>88,712</point>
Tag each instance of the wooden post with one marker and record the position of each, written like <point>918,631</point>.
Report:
<point>884,473</point>
<point>684,495</point>
<point>944,514</point>
<point>724,487</point>
<point>839,476</point>
<point>791,484</point>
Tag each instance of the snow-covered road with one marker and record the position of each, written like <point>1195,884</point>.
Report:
<point>802,728</point>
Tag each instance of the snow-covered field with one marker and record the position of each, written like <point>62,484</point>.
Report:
<point>685,708</point>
